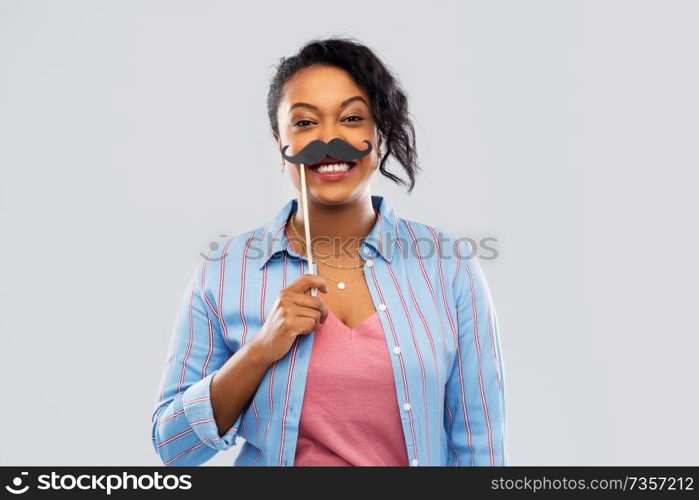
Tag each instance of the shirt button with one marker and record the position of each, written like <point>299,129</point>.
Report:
<point>406,406</point>
<point>369,262</point>
<point>414,462</point>
<point>396,349</point>
<point>382,307</point>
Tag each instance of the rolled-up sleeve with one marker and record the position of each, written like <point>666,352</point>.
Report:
<point>184,431</point>
<point>475,413</point>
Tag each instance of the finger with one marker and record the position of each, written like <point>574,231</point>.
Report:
<point>306,325</point>
<point>307,312</point>
<point>310,301</point>
<point>308,281</point>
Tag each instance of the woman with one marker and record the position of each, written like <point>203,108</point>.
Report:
<point>396,361</point>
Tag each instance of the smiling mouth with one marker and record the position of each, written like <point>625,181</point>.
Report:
<point>332,166</point>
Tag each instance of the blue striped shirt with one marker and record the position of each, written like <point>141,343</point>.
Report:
<point>441,330</point>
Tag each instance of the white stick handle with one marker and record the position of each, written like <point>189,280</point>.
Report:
<point>306,227</point>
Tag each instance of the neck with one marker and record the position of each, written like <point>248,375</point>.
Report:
<point>336,223</point>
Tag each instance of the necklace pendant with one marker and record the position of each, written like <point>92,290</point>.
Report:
<point>341,285</point>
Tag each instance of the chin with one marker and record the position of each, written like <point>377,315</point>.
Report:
<point>333,195</point>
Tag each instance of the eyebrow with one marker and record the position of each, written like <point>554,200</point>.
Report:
<point>342,105</point>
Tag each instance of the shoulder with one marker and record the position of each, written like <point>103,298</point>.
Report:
<point>231,251</point>
<point>412,226</point>
<point>428,236</point>
<point>230,248</point>
<point>226,253</point>
<point>432,244</point>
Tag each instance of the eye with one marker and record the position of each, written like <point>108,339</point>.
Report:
<point>358,118</point>
<point>298,123</point>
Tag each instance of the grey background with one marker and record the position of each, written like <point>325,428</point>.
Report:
<point>567,130</point>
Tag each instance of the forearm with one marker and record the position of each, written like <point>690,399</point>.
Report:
<point>234,384</point>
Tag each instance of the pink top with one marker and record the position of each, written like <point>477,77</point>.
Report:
<point>350,413</point>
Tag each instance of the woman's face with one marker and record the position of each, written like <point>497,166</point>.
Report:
<point>323,89</point>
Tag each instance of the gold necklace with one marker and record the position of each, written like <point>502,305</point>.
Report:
<point>361,264</point>
<point>340,284</point>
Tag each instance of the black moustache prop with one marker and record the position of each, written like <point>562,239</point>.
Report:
<point>316,150</point>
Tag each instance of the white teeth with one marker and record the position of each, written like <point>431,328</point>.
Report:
<point>332,168</point>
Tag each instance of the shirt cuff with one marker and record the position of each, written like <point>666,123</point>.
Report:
<point>196,401</point>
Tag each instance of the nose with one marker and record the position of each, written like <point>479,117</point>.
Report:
<point>329,132</point>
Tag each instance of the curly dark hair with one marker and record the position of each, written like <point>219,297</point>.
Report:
<point>388,100</point>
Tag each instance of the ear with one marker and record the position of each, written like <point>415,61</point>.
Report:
<point>278,141</point>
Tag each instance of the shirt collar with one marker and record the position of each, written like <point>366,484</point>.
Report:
<point>381,238</point>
